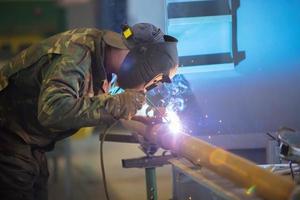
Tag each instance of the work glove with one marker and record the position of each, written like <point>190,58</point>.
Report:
<point>126,104</point>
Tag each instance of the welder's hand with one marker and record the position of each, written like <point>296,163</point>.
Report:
<point>126,104</point>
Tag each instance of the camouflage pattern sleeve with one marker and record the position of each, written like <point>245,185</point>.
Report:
<point>63,100</point>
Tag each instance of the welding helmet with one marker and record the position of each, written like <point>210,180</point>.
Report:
<point>151,53</point>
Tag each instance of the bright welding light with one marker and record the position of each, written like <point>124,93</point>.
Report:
<point>174,122</point>
<point>145,112</point>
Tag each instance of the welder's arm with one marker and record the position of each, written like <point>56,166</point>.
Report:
<point>61,105</point>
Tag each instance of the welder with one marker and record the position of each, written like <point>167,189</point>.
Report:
<point>55,87</point>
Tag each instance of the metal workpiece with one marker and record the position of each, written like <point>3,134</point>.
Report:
<point>240,171</point>
<point>289,147</point>
<point>193,182</point>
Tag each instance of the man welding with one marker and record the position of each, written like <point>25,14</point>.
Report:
<point>55,87</point>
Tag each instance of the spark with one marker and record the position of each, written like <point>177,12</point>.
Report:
<point>174,122</point>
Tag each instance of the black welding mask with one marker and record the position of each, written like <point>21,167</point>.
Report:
<point>146,61</point>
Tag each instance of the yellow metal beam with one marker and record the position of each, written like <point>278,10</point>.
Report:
<point>242,172</point>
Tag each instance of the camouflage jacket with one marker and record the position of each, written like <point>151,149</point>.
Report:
<point>53,88</point>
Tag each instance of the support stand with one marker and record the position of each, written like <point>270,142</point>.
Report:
<point>150,162</point>
<point>151,183</point>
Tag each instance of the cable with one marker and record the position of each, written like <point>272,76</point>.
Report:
<point>106,131</point>
<point>291,168</point>
<point>272,137</point>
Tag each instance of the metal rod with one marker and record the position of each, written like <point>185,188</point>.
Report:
<point>151,183</point>
<point>156,109</point>
<point>242,172</point>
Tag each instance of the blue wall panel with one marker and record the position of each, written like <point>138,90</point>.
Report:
<point>263,93</point>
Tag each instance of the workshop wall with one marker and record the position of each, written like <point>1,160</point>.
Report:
<point>263,92</point>
<point>81,14</point>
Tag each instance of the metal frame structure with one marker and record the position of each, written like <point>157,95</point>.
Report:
<point>181,12</point>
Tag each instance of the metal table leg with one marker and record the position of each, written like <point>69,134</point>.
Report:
<point>151,183</point>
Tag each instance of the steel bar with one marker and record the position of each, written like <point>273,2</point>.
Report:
<point>146,162</point>
<point>120,138</point>
<point>242,172</point>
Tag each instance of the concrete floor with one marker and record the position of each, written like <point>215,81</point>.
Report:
<point>85,181</point>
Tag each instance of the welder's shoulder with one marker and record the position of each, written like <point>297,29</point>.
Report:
<point>69,41</point>
<point>83,31</point>
<point>76,43</point>
<point>81,36</point>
